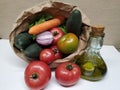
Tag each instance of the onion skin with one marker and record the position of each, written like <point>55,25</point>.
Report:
<point>45,38</point>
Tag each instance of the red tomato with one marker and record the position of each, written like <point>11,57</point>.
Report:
<point>37,75</point>
<point>47,55</point>
<point>58,54</point>
<point>57,34</point>
<point>67,74</point>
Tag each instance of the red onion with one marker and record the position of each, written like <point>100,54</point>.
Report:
<point>44,38</point>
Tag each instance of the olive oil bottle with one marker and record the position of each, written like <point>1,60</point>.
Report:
<point>91,63</point>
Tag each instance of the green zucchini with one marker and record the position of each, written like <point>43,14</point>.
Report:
<point>32,51</point>
<point>23,40</point>
<point>74,22</point>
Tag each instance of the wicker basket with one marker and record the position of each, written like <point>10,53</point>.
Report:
<point>55,8</point>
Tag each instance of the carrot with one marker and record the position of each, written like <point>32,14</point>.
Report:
<point>36,29</point>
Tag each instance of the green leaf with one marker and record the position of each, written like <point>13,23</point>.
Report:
<point>63,27</point>
<point>44,17</point>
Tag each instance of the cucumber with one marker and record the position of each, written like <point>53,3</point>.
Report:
<point>74,23</point>
<point>32,51</point>
<point>23,40</point>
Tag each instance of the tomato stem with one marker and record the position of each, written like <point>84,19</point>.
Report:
<point>69,67</point>
<point>55,33</point>
<point>55,51</point>
<point>34,76</point>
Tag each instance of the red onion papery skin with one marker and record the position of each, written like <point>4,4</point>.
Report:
<point>44,38</point>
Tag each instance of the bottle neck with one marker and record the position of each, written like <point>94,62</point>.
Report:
<point>95,43</point>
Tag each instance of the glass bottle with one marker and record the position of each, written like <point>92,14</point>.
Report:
<point>92,65</point>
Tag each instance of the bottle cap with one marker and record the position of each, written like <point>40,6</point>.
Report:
<point>97,30</point>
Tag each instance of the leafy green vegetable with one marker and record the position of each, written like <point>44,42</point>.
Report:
<point>43,17</point>
<point>63,27</point>
<point>34,37</point>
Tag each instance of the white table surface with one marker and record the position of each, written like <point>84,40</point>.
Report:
<point>12,72</point>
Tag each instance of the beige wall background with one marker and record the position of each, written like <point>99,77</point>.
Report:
<point>106,12</point>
